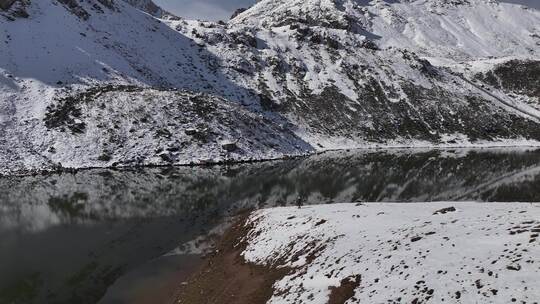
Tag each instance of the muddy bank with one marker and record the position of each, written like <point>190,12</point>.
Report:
<point>225,277</point>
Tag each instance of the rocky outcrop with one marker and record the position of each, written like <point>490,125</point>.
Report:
<point>238,12</point>
<point>515,76</point>
<point>128,125</point>
<point>6,4</point>
<point>149,7</point>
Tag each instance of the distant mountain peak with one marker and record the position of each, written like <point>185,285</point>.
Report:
<point>149,7</point>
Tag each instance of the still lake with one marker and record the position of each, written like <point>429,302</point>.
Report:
<point>103,235</point>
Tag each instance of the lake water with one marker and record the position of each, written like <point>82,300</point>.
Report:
<point>101,235</point>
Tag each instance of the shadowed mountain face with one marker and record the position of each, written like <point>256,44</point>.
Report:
<point>116,220</point>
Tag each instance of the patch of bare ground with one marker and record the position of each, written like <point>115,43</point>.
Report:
<point>226,278</point>
<point>345,291</point>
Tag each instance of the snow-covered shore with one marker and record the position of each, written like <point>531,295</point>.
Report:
<point>400,253</point>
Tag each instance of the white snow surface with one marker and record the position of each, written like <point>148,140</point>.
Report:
<point>401,252</point>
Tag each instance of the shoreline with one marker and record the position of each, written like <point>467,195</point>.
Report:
<point>205,164</point>
<point>225,277</point>
<point>255,260</point>
<point>373,252</point>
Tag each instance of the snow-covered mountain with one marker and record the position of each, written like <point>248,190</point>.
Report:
<point>100,82</point>
<point>459,29</point>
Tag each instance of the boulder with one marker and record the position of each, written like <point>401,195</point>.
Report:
<point>191,131</point>
<point>229,146</point>
<point>6,4</point>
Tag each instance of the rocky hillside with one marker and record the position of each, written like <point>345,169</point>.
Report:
<point>121,87</point>
<point>518,78</point>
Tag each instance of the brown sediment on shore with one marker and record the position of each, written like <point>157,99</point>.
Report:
<point>226,278</point>
<point>345,291</point>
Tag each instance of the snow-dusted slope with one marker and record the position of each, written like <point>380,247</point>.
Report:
<point>320,74</point>
<point>436,28</point>
<point>327,63</point>
<point>58,51</point>
<point>400,253</point>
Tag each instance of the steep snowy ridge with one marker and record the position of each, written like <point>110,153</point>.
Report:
<point>305,74</point>
<point>455,29</point>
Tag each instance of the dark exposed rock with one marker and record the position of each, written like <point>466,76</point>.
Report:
<point>66,113</point>
<point>105,157</point>
<point>6,4</point>
<point>445,210</point>
<point>149,7</point>
<point>379,117</point>
<point>244,38</point>
<point>516,76</point>
<point>77,9</point>
<point>370,44</point>
<point>345,291</point>
<point>229,146</point>
<point>14,9</point>
<point>416,239</point>
<point>514,267</point>
<point>238,12</point>
<point>191,131</point>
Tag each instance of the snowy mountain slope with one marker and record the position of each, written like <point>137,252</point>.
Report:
<point>129,125</point>
<point>322,50</point>
<point>317,73</point>
<point>118,45</point>
<point>441,28</point>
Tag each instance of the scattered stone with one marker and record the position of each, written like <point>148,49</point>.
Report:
<point>229,146</point>
<point>514,267</point>
<point>166,157</point>
<point>416,239</point>
<point>105,157</point>
<point>191,131</point>
<point>320,223</point>
<point>445,210</point>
